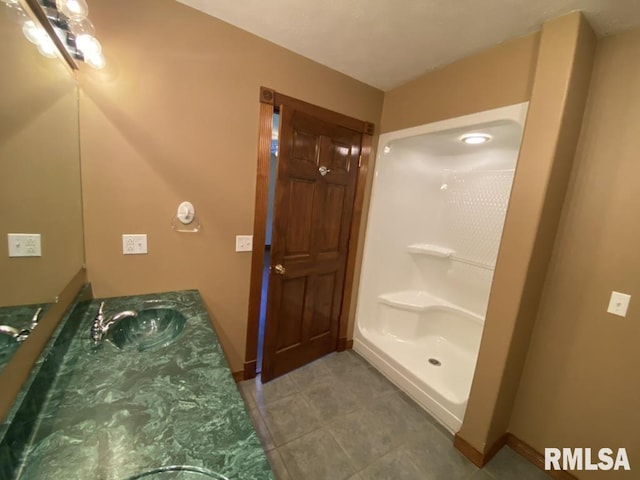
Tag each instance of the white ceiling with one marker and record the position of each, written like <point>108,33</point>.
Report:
<point>386,43</point>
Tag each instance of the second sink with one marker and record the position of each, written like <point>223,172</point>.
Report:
<point>152,328</point>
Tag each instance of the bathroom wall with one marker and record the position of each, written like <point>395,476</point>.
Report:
<point>580,382</point>
<point>174,117</point>
<point>39,168</point>
<point>497,77</point>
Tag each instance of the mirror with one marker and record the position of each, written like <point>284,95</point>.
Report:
<point>40,191</point>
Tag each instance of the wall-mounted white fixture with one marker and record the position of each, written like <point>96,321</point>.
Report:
<point>185,220</point>
<point>24,244</point>
<point>619,304</point>
<point>475,138</point>
<point>186,213</point>
<point>244,243</point>
<point>134,244</point>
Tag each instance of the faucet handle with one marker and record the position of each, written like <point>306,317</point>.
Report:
<point>98,325</point>
<point>35,319</point>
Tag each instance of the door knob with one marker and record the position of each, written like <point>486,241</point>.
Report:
<point>279,269</point>
<point>323,170</point>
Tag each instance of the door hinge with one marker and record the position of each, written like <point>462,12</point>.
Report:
<point>359,161</point>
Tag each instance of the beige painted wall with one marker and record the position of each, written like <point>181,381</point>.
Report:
<point>39,168</point>
<point>548,146</point>
<point>580,383</point>
<point>174,117</point>
<point>497,77</point>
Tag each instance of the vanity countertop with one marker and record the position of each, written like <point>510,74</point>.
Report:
<point>112,413</point>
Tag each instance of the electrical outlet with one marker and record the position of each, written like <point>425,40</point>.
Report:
<point>244,243</point>
<point>24,244</point>
<point>619,304</point>
<point>134,244</point>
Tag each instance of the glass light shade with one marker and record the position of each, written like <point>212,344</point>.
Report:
<point>73,9</point>
<point>82,27</point>
<point>34,33</point>
<point>47,48</point>
<point>95,60</point>
<point>88,45</point>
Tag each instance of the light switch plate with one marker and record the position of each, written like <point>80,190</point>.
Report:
<point>619,304</point>
<point>134,244</point>
<point>24,244</point>
<point>244,243</point>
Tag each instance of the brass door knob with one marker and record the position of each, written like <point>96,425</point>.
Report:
<point>279,269</point>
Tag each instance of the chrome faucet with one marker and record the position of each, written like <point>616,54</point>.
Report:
<point>21,334</point>
<point>15,333</point>
<point>35,319</point>
<point>100,327</point>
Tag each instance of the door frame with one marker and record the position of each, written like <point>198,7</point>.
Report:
<point>270,100</point>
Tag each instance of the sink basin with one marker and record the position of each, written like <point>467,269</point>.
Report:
<point>152,328</point>
<point>178,473</point>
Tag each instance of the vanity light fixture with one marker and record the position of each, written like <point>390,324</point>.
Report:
<point>475,138</point>
<point>73,9</point>
<point>67,20</point>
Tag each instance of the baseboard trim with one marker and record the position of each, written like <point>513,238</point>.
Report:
<point>344,344</point>
<point>527,451</point>
<point>476,457</point>
<point>250,370</point>
<point>523,449</point>
<point>238,376</point>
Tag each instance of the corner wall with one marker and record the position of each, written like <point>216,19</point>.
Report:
<point>174,117</point>
<point>546,156</point>
<point>579,387</point>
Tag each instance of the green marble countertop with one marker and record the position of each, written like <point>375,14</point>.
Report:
<point>112,414</point>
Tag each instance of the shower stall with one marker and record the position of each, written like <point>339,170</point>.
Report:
<point>438,205</point>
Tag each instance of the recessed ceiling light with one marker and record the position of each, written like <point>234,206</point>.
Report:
<point>387,149</point>
<point>475,138</point>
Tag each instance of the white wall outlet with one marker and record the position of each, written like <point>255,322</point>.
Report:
<point>134,244</point>
<point>619,304</point>
<point>244,243</point>
<point>24,245</point>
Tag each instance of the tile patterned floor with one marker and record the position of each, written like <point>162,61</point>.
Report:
<point>339,419</point>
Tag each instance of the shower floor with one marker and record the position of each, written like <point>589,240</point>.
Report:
<point>451,379</point>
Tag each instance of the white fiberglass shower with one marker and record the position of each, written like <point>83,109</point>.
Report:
<point>438,205</point>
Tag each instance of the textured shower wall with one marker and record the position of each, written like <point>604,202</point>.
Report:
<point>474,211</point>
<point>476,205</point>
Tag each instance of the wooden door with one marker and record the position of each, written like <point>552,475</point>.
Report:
<point>312,220</point>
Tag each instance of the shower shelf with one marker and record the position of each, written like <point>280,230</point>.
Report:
<point>421,301</point>
<point>415,300</point>
<point>432,250</point>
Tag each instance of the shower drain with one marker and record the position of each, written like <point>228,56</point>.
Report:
<point>435,362</point>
